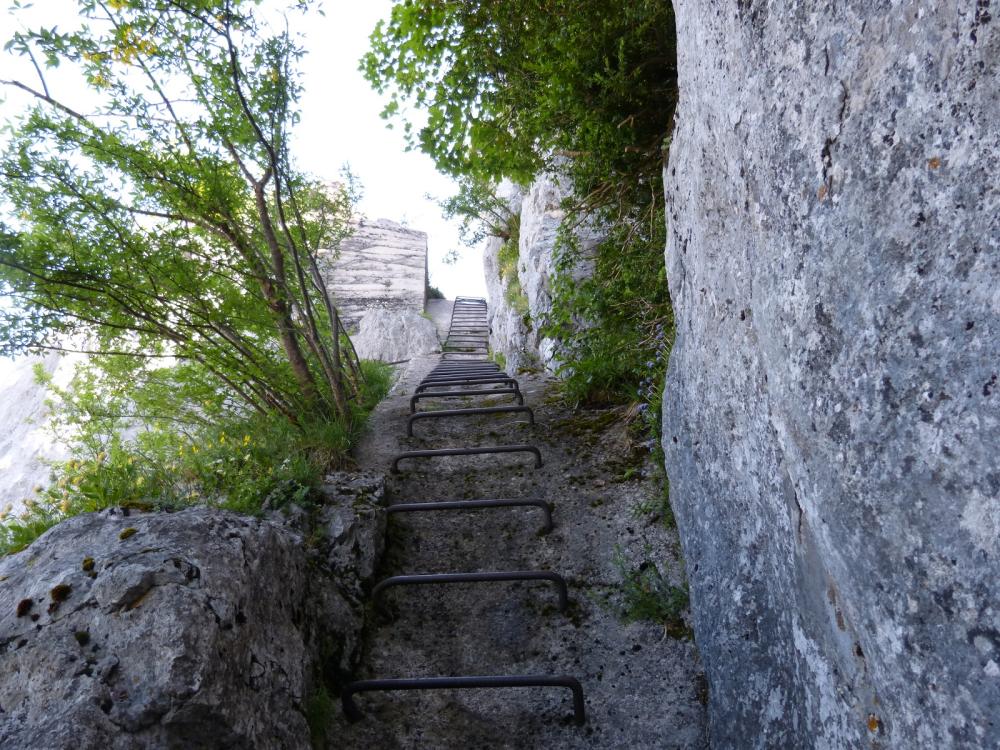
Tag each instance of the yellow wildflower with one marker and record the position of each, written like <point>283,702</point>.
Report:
<point>64,506</point>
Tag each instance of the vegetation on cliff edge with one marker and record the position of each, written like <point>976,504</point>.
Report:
<point>154,217</point>
<point>585,88</point>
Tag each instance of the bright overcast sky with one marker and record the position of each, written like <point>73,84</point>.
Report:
<point>341,125</point>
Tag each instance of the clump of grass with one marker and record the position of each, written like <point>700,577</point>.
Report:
<point>319,712</point>
<point>647,595</point>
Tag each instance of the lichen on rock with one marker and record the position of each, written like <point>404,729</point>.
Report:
<point>829,427</point>
<point>213,632</point>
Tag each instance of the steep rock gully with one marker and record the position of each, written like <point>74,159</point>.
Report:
<point>642,688</point>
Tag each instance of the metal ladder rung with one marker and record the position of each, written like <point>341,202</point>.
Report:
<point>461,683</point>
<point>423,579</point>
<point>469,452</point>
<point>462,394</point>
<point>421,507</point>
<point>441,413</point>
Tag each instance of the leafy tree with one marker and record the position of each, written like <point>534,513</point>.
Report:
<point>161,213</point>
<point>509,88</point>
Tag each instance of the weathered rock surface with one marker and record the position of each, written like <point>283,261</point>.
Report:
<point>194,629</point>
<point>381,265</point>
<point>26,443</point>
<point>516,334</point>
<point>395,335</point>
<point>831,413</point>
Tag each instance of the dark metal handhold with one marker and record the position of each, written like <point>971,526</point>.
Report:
<point>478,380</point>
<point>461,394</point>
<point>469,452</point>
<point>353,713</point>
<point>422,579</point>
<point>440,413</point>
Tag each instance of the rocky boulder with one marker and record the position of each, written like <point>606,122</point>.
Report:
<point>515,333</point>
<point>194,629</point>
<point>832,409</point>
<point>395,335</point>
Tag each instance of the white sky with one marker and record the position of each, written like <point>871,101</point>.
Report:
<point>341,124</point>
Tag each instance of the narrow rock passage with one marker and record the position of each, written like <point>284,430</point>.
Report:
<point>642,688</point>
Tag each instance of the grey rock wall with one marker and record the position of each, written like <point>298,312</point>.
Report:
<point>382,265</point>
<point>395,335</point>
<point>539,209</point>
<point>194,629</point>
<point>831,413</point>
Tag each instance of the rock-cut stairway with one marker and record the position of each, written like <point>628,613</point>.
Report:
<point>538,622</point>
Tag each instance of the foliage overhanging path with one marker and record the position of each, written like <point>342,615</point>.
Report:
<point>582,88</point>
<point>162,214</point>
<point>641,686</point>
<point>155,219</point>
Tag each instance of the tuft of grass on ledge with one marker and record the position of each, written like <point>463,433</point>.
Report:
<point>247,463</point>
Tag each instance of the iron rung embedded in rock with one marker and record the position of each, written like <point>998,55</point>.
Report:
<point>469,452</point>
<point>448,683</point>
<point>421,507</point>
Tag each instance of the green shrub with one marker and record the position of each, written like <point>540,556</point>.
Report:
<point>647,595</point>
<point>238,461</point>
<point>319,710</point>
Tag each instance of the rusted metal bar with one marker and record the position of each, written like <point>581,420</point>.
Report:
<point>353,713</point>
<point>464,372</point>
<point>442,413</point>
<point>475,505</point>
<point>469,452</point>
<point>461,394</point>
<point>423,579</point>
<point>480,380</point>
<point>475,365</point>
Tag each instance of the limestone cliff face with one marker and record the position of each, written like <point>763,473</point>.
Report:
<point>516,325</point>
<point>197,629</point>
<point>381,265</point>
<point>831,413</point>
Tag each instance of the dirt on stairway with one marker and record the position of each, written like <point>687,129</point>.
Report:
<point>643,688</point>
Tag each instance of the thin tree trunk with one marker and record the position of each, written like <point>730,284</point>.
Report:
<point>282,313</point>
